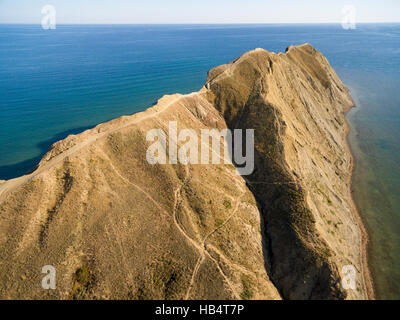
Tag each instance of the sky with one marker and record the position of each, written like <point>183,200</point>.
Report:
<point>199,11</point>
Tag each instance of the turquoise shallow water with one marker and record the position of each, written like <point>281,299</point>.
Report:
<point>374,140</point>
<point>57,82</point>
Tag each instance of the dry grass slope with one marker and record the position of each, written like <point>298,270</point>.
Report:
<point>116,227</point>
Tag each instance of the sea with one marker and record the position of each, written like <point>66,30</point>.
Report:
<point>62,81</point>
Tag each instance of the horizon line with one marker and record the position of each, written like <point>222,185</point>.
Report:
<point>196,23</point>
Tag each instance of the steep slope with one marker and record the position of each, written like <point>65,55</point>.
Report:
<point>114,226</point>
<point>297,105</point>
<point>96,206</point>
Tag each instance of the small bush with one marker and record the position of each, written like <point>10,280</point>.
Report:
<point>247,293</point>
<point>83,280</point>
<point>227,205</point>
<point>219,223</point>
<point>83,276</point>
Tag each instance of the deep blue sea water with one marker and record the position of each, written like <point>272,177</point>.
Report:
<point>57,82</point>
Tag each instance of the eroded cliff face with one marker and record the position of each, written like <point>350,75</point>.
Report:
<point>114,226</point>
<point>297,105</point>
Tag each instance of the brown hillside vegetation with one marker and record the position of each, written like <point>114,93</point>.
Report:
<point>116,227</point>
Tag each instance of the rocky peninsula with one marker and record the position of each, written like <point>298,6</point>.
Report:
<point>115,226</point>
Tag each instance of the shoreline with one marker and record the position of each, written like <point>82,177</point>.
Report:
<point>366,272</point>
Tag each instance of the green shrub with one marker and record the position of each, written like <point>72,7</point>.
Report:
<point>247,293</point>
<point>219,223</point>
<point>227,205</point>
